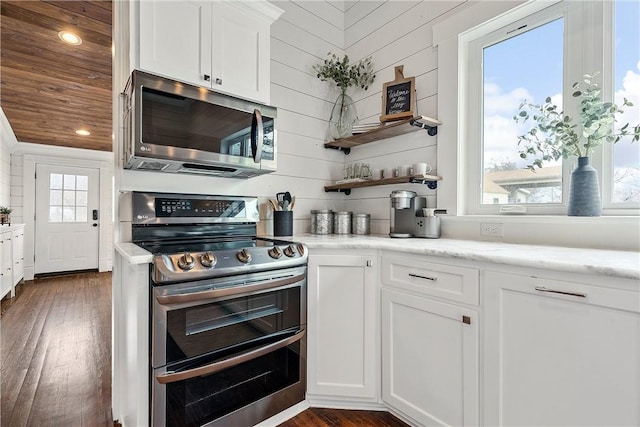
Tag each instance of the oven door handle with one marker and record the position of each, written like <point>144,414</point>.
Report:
<point>225,292</point>
<point>228,363</point>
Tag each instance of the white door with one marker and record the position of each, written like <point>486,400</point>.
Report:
<point>67,226</point>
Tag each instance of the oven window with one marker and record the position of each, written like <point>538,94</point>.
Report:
<point>199,400</point>
<point>221,327</point>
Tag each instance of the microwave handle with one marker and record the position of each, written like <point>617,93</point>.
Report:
<point>257,136</point>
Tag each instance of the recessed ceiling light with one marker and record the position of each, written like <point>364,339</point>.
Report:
<point>70,38</point>
<point>83,132</point>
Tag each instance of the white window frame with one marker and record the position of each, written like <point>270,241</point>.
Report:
<point>582,55</point>
<point>474,104</point>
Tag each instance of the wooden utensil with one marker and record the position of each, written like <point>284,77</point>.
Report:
<point>274,204</point>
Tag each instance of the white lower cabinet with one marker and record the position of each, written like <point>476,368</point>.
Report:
<point>11,258</point>
<point>17,252</point>
<point>6,264</point>
<point>559,352</point>
<point>343,345</point>
<point>429,359</point>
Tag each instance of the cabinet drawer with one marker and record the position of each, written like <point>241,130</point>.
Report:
<point>441,280</point>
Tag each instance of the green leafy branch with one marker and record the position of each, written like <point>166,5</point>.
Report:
<point>556,135</point>
<point>345,74</point>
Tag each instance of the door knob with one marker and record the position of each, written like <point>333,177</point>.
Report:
<point>95,225</point>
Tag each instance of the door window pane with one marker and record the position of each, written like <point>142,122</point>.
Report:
<point>537,52</point>
<point>81,214</point>
<point>70,204</point>
<point>69,182</point>
<point>55,197</point>
<point>55,214</point>
<point>626,156</point>
<point>55,181</point>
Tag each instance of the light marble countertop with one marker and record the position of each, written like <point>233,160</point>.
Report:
<point>623,264</point>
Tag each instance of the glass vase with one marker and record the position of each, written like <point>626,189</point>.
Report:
<point>343,117</point>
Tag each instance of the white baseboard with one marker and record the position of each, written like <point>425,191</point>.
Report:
<point>338,403</point>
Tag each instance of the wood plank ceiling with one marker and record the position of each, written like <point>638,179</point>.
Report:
<point>49,89</point>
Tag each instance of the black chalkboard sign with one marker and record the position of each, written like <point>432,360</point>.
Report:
<point>398,97</point>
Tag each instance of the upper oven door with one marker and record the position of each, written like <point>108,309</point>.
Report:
<point>194,125</point>
<point>223,316</point>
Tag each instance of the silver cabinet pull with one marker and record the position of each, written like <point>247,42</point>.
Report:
<point>554,291</point>
<point>433,279</point>
<point>171,377</point>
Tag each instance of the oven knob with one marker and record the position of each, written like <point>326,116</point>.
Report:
<point>301,249</point>
<point>186,261</point>
<point>289,251</point>
<point>208,259</point>
<point>275,252</point>
<point>244,256</point>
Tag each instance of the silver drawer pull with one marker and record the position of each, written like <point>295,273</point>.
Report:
<point>573,294</point>
<point>433,279</point>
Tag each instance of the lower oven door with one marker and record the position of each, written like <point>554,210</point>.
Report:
<point>240,390</point>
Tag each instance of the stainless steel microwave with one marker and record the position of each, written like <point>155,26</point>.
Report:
<point>175,127</point>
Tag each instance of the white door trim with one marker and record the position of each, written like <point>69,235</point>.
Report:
<point>100,160</point>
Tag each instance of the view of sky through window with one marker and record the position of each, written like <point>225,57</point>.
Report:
<point>528,67</point>
<point>626,158</point>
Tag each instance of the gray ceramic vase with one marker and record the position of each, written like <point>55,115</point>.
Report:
<point>584,194</point>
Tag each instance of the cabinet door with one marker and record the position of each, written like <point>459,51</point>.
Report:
<point>429,359</point>
<point>6,280</point>
<point>342,351</point>
<point>17,249</point>
<point>570,358</point>
<point>175,39</point>
<point>241,52</point>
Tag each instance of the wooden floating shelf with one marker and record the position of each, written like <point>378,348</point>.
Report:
<point>429,180</point>
<point>390,130</point>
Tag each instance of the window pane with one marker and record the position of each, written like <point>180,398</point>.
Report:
<point>69,182</point>
<point>81,214</point>
<point>68,214</point>
<point>55,214</point>
<point>55,181</point>
<point>81,198</point>
<point>82,182</point>
<point>537,52</point>
<point>55,197</point>
<point>69,198</point>
<point>626,156</point>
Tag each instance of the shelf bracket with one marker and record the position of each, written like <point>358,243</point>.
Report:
<point>345,150</point>
<point>430,184</point>
<point>431,130</point>
<point>346,191</point>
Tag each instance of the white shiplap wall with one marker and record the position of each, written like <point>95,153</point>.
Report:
<point>394,33</point>
<point>7,141</point>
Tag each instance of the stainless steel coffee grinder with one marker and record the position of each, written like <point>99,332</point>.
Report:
<point>404,207</point>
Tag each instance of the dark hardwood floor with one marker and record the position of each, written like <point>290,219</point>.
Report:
<point>55,339</point>
<point>321,417</point>
<point>56,352</point>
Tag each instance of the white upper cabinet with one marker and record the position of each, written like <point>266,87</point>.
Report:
<point>222,45</point>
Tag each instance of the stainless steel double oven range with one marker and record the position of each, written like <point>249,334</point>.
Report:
<point>228,311</point>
